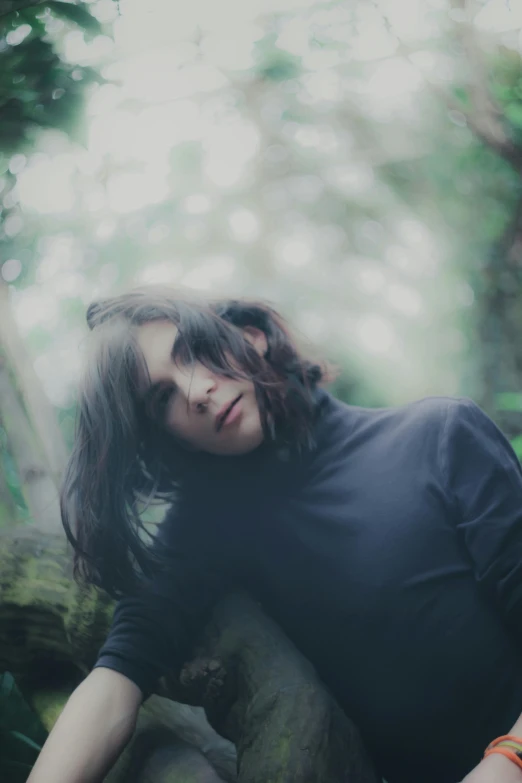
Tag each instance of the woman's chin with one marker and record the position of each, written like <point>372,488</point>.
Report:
<point>242,443</point>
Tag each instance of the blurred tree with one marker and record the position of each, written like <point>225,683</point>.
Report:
<point>480,158</point>
<point>8,511</point>
<point>37,89</point>
<point>489,100</point>
<point>37,484</point>
<point>37,407</point>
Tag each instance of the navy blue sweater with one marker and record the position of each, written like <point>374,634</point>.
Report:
<point>391,554</point>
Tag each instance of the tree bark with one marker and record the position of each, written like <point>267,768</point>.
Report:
<point>500,320</point>
<point>8,511</point>
<point>498,280</point>
<point>260,692</point>
<point>40,411</point>
<point>257,690</point>
<point>37,484</point>
<point>497,298</point>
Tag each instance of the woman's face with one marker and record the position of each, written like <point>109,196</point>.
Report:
<point>207,412</point>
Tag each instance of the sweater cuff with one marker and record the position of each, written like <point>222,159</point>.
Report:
<point>132,671</point>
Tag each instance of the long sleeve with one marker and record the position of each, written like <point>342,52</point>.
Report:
<point>152,631</point>
<point>484,481</point>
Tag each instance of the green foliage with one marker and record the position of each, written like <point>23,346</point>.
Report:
<point>506,87</point>
<point>37,88</point>
<point>76,14</point>
<point>11,482</point>
<point>21,733</point>
<point>509,401</point>
<point>514,114</point>
<point>516,444</point>
<point>385,182</point>
<point>274,64</point>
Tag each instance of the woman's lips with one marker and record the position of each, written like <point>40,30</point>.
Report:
<point>231,415</point>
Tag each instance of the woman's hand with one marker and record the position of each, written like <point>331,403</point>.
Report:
<point>495,769</point>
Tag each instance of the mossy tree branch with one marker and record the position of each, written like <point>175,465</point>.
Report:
<point>257,690</point>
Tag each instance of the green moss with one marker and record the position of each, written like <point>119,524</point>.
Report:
<point>48,704</point>
<point>39,578</point>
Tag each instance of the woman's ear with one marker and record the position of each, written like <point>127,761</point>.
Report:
<point>257,338</point>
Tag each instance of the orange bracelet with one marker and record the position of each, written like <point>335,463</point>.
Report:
<point>506,746</point>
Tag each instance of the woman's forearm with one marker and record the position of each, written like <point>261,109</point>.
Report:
<point>94,727</point>
<point>497,768</point>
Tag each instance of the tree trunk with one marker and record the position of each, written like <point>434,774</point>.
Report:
<point>40,411</point>
<point>37,484</point>
<point>257,690</point>
<point>500,318</point>
<point>261,693</point>
<point>8,510</point>
<point>499,279</point>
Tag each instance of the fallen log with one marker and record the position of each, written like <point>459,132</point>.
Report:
<point>258,692</point>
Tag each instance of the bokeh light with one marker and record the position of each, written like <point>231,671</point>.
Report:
<point>289,149</point>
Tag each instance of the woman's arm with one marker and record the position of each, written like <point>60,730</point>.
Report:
<point>496,768</point>
<point>484,482</point>
<point>484,478</point>
<point>151,633</point>
<point>93,729</point>
<point>153,629</point>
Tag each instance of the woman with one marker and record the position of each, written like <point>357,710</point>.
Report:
<point>386,543</point>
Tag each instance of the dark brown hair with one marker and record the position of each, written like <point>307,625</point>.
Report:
<point>121,457</point>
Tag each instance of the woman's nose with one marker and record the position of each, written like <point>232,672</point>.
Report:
<point>200,391</point>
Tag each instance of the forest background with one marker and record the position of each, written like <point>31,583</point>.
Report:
<point>357,164</point>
